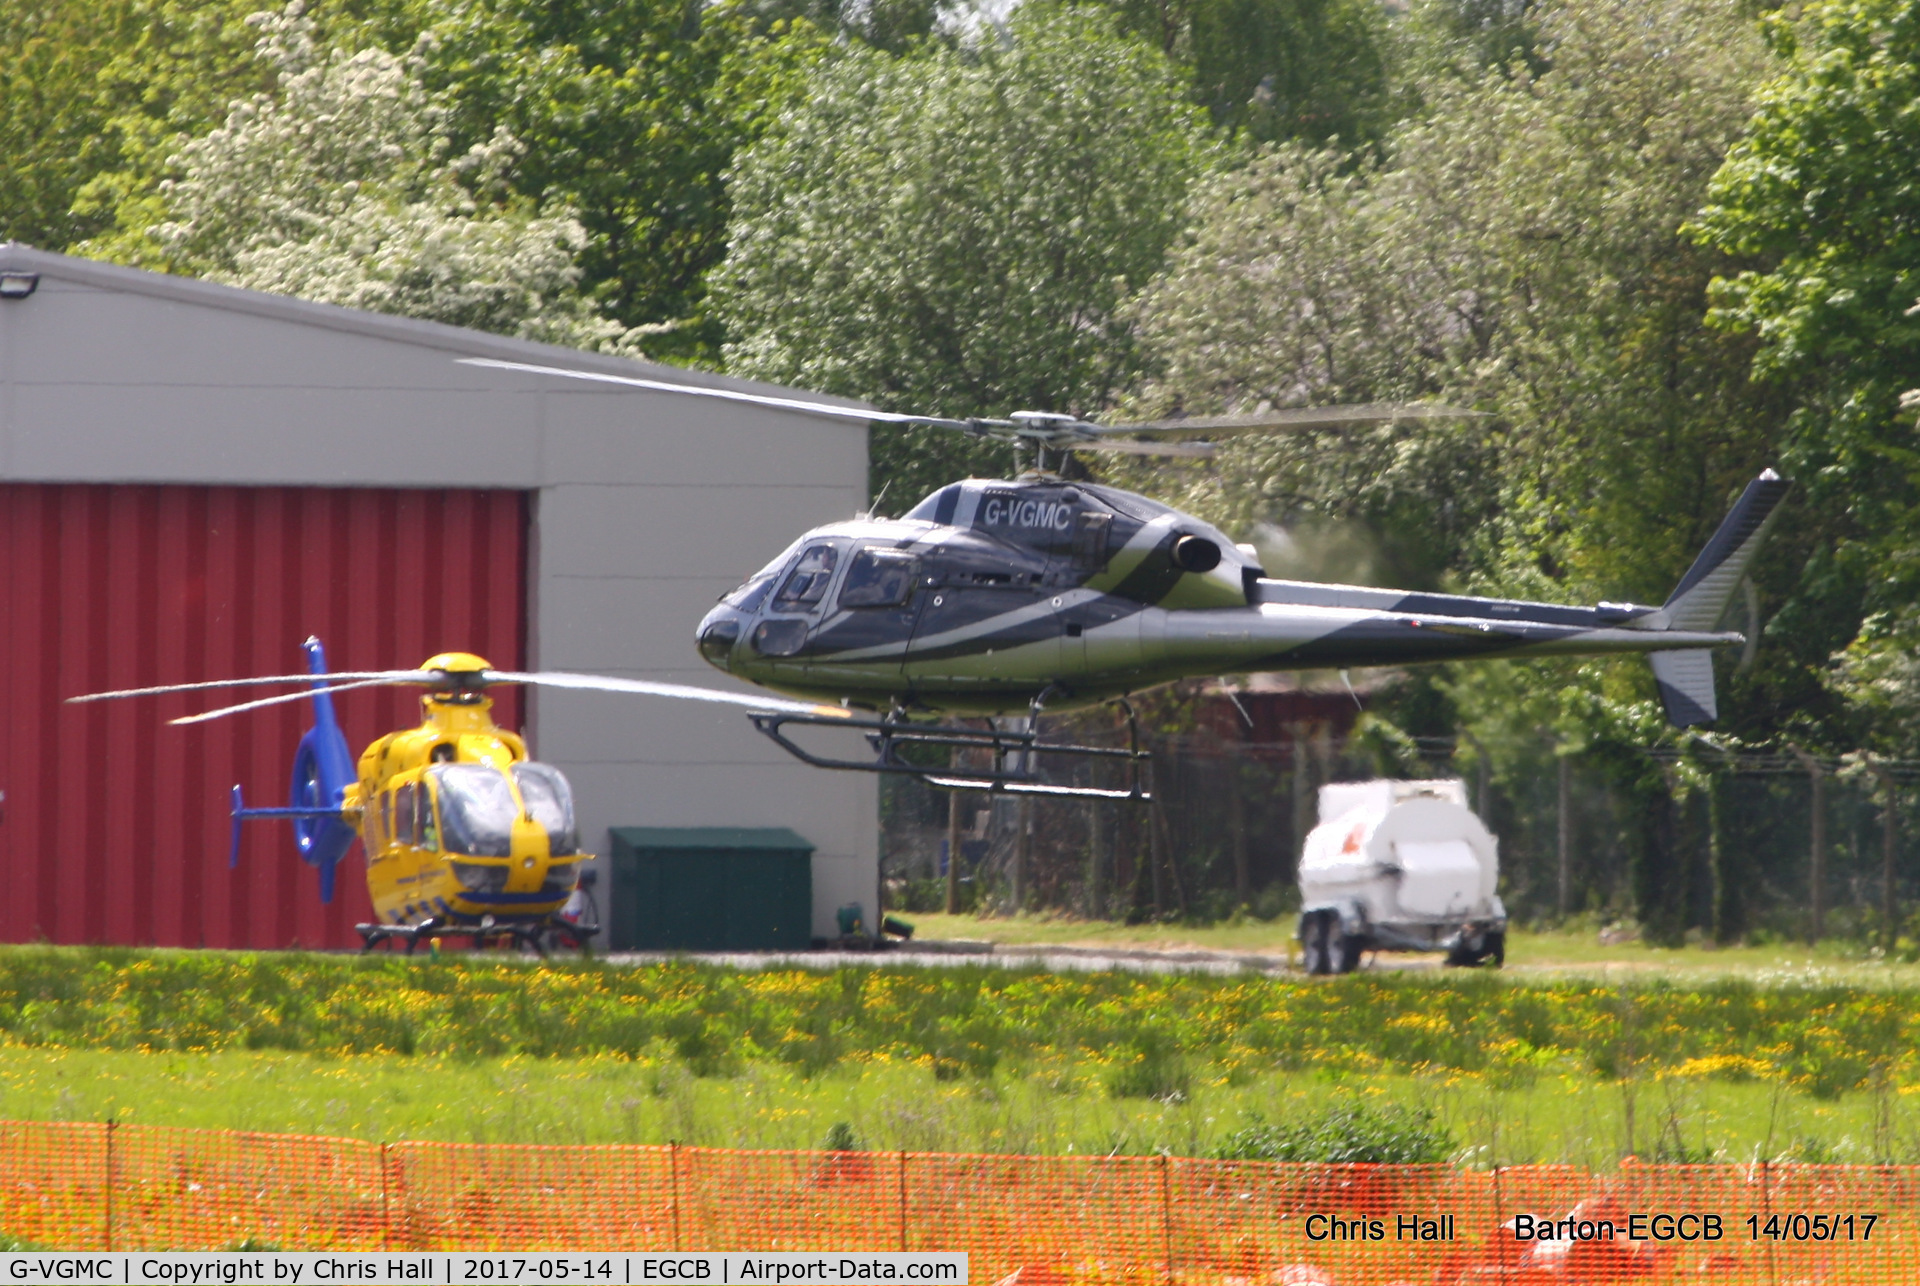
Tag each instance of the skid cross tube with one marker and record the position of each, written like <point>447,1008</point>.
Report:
<point>1013,755</point>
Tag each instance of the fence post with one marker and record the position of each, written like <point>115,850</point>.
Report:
<point>1022,850</point>
<point>1817,843</point>
<point>953,838</point>
<point>1096,854</point>
<point>1889,841</point>
<point>1166,1215</point>
<point>386,1197</point>
<point>673,1177</point>
<point>1564,900</point>
<point>903,1199</point>
<point>111,1126</point>
<point>1237,826</point>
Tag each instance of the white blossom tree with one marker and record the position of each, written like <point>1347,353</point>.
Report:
<point>341,187</point>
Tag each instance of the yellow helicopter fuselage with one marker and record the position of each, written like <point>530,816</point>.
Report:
<point>459,825</point>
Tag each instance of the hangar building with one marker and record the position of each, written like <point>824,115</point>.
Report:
<point>195,478</point>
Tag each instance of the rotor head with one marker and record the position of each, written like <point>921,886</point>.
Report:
<point>459,677</point>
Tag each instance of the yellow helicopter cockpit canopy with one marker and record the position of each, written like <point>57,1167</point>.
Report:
<point>478,808</point>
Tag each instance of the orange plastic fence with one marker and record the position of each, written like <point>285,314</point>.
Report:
<point>1056,1221</point>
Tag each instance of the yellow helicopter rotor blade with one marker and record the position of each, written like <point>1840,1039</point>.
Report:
<point>411,677</point>
<point>649,688</point>
<point>390,676</point>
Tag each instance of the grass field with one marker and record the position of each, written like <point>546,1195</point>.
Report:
<point>1774,1054</point>
<point>1576,1119</point>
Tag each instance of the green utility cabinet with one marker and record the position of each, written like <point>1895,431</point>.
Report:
<point>710,888</point>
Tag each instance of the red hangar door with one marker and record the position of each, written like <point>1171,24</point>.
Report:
<point>114,827</point>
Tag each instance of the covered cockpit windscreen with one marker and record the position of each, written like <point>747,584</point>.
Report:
<point>550,803</point>
<point>748,596</point>
<point>477,809</point>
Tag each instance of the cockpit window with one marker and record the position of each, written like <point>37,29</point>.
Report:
<point>750,595</point>
<point>878,578</point>
<point>551,804</point>
<point>807,583</point>
<point>476,809</point>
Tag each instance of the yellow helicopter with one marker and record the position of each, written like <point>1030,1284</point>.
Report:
<point>464,833</point>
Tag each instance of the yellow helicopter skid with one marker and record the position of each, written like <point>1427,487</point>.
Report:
<point>528,932</point>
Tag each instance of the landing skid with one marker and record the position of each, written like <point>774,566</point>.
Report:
<point>1012,754</point>
<point>531,936</point>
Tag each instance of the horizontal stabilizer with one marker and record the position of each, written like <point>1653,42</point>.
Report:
<point>1686,686</point>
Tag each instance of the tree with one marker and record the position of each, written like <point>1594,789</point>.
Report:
<point>1520,251</point>
<point>628,114</point>
<point>97,92</point>
<point>1816,207</point>
<point>1279,69</point>
<point>954,232</point>
<point>342,187</point>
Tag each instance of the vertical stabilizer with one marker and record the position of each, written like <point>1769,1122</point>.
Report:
<point>1686,686</point>
<point>1701,598</point>
<point>1702,595</point>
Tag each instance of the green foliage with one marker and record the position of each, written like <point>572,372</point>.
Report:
<point>1518,251</point>
<point>340,186</point>
<point>1815,205</point>
<point>98,91</point>
<point>627,115</point>
<point>1151,1065</point>
<point>1466,38</point>
<point>840,1138</point>
<point>623,117</point>
<point>1278,69</point>
<point>953,232</point>
<point>1350,1132</point>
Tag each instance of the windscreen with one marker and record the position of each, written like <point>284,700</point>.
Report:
<point>550,803</point>
<point>807,583</point>
<point>476,809</point>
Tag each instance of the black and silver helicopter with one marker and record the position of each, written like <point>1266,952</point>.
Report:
<point>1009,597</point>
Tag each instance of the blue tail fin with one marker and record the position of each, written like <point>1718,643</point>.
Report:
<point>322,772</point>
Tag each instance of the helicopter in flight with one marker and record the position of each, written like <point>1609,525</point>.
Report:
<point>464,833</point>
<point>998,597</point>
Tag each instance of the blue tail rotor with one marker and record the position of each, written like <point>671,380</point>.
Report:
<point>322,772</point>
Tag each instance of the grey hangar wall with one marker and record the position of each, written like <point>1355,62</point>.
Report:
<point>643,507</point>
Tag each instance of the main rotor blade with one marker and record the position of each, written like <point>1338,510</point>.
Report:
<point>649,688</point>
<point>728,395</point>
<point>1120,446</point>
<point>1301,418</point>
<point>391,676</point>
<point>285,697</point>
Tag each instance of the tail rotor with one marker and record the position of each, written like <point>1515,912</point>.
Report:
<point>316,799</point>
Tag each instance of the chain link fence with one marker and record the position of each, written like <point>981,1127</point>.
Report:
<point>1700,844</point>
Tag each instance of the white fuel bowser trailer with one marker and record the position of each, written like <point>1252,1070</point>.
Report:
<point>1399,866</point>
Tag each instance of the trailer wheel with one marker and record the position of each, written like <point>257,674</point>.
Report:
<point>1313,942</point>
<point>1343,950</point>
<point>1487,948</point>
